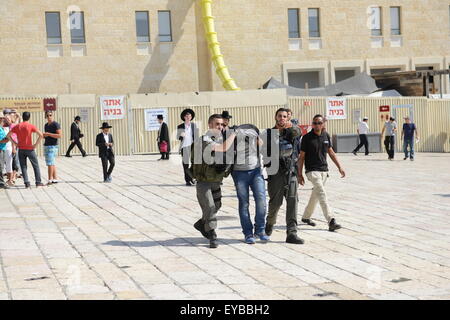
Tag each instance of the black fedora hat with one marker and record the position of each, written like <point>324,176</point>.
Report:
<point>105,125</point>
<point>185,111</point>
<point>226,114</point>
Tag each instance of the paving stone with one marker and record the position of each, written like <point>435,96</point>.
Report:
<point>206,288</point>
<point>136,240</point>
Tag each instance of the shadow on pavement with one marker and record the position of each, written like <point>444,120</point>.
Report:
<point>154,185</point>
<point>442,195</point>
<point>177,242</point>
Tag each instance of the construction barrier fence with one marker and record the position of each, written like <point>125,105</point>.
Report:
<point>432,117</point>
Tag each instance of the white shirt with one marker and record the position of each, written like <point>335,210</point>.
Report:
<point>187,140</point>
<point>106,136</point>
<point>363,128</point>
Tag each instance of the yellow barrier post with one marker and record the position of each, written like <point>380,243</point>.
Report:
<point>214,47</point>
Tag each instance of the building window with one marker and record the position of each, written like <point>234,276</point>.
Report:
<point>77,27</point>
<point>304,79</point>
<point>395,21</point>
<point>165,26</point>
<point>294,26</point>
<point>53,26</point>
<point>343,74</point>
<point>142,26</point>
<point>314,23</point>
<point>375,21</point>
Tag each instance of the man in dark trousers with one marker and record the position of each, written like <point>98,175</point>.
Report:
<point>75,136</point>
<point>186,133</point>
<point>363,130</point>
<point>163,138</point>
<point>282,184</point>
<point>105,143</point>
<point>390,128</point>
<point>210,176</point>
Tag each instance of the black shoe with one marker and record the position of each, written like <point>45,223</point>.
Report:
<point>293,238</point>
<point>85,155</point>
<point>405,158</point>
<point>27,186</point>
<point>309,222</point>
<point>200,226</point>
<point>269,229</point>
<point>212,236</point>
<point>68,156</point>
<point>333,225</point>
<point>354,152</point>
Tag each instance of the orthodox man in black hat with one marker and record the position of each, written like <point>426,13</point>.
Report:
<point>226,116</point>
<point>186,133</point>
<point>163,138</point>
<point>105,143</point>
<point>75,136</point>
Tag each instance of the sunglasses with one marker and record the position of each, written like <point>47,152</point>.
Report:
<point>316,123</point>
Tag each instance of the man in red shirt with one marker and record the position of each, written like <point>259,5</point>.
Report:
<point>24,132</point>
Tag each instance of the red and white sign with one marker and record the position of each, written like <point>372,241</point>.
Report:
<point>112,107</point>
<point>384,108</point>
<point>384,113</point>
<point>49,104</point>
<point>336,108</point>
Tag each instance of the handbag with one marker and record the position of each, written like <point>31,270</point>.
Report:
<point>163,146</point>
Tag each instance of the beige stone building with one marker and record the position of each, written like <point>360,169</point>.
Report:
<point>142,46</point>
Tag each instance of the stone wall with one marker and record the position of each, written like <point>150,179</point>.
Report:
<point>253,35</point>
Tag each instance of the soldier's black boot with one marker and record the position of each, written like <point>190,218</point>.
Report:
<point>200,226</point>
<point>212,236</point>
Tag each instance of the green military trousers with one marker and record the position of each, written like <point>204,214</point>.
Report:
<point>279,188</point>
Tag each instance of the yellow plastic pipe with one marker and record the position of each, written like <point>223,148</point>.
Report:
<point>214,47</point>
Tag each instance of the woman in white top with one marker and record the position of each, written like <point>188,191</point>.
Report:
<point>9,153</point>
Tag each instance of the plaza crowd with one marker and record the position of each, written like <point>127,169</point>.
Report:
<point>281,153</point>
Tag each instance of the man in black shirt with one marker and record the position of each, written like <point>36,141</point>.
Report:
<point>52,132</point>
<point>313,154</point>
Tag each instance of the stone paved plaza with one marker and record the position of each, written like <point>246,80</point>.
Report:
<point>134,239</point>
